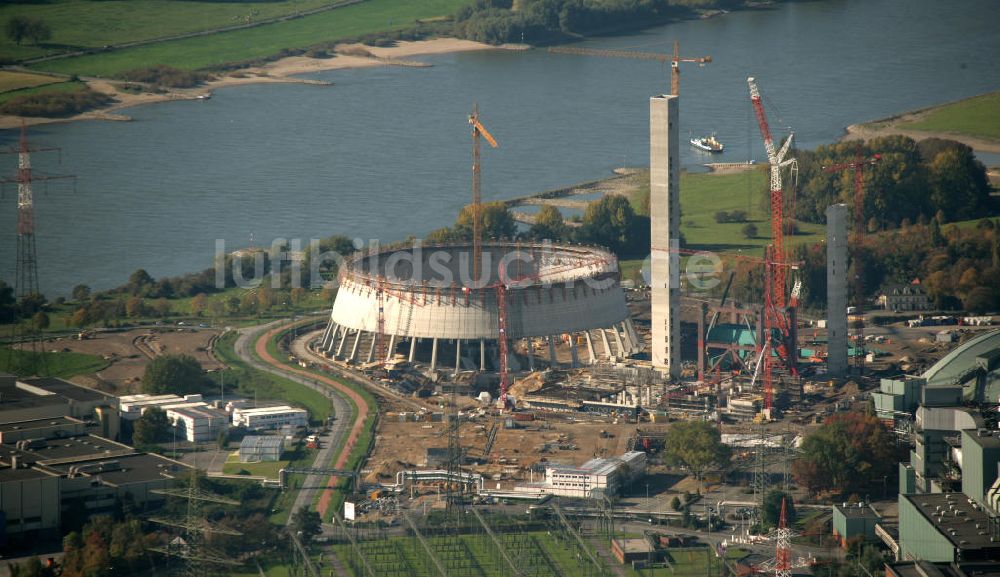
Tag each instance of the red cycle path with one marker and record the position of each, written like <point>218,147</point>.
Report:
<point>362,407</point>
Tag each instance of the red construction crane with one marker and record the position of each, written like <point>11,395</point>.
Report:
<point>477,242</point>
<point>858,165</point>
<point>674,59</point>
<point>778,162</point>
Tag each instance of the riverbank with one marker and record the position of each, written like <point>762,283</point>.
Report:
<point>284,70</point>
<point>962,120</point>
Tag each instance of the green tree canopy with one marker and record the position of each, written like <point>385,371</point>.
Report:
<point>307,523</point>
<point>548,224</point>
<point>497,222</point>
<point>177,374</point>
<point>611,222</point>
<point>771,510</point>
<point>151,428</point>
<point>696,445</point>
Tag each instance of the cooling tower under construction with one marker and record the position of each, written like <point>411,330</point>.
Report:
<point>434,312</point>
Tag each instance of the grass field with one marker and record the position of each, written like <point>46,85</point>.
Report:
<point>202,52</point>
<point>273,386</point>
<point>62,365</point>
<point>977,116</point>
<point>12,80</point>
<point>50,88</point>
<point>87,24</point>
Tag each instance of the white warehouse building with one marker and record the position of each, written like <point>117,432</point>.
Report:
<point>199,424</point>
<point>270,417</point>
<point>594,478</point>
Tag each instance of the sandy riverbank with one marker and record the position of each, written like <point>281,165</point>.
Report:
<point>893,125</point>
<point>283,70</point>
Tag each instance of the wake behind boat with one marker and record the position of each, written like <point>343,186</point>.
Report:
<point>707,143</point>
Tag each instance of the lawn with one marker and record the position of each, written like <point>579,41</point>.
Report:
<point>11,80</point>
<point>368,17</point>
<point>62,365</point>
<point>702,195</point>
<point>273,386</point>
<point>977,116</point>
<point>49,88</point>
<point>79,24</point>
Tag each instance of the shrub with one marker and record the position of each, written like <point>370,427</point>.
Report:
<point>56,104</point>
<point>163,75</point>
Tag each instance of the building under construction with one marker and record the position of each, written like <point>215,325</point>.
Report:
<point>424,306</point>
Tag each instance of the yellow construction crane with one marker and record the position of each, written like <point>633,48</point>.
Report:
<point>674,59</point>
<point>477,242</point>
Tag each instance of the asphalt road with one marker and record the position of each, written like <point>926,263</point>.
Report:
<point>342,409</point>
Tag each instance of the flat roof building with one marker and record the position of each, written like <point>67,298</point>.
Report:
<point>199,423</point>
<point>946,528</point>
<point>270,417</point>
<point>592,479</point>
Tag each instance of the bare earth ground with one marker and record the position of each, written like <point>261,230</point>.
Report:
<point>129,352</point>
<point>279,71</point>
<point>891,125</point>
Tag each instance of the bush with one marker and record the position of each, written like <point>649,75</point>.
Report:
<point>56,104</point>
<point>750,230</point>
<point>163,75</point>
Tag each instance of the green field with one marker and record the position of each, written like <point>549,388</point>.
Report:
<point>978,116</point>
<point>62,365</point>
<point>371,16</point>
<point>702,195</point>
<point>11,80</point>
<point>80,24</point>
<point>273,386</point>
<point>50,88</point>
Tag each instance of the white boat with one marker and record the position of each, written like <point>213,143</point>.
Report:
<point>707,143</point>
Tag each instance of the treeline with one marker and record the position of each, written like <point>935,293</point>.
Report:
<point>499,21</point>
<point>56,104</point>
<point>166,76</point>
<point>958,267</point>
<point>610,222</point>
<point>910,182</point>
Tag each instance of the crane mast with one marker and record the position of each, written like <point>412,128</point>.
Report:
<point>477,242</point>
<point>777,160</point>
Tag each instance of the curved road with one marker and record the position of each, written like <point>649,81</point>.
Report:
<point>347,426</point>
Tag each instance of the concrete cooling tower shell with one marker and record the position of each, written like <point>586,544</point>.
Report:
<point>426,293</point>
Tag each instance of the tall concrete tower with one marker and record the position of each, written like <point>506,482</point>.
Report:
<point>665,227</point>
<point>836,289</point>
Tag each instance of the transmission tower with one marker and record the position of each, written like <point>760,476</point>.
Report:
<point>783,547</point>
<point>760,475</point>
<point>190,545</point>
<point>26,271</point>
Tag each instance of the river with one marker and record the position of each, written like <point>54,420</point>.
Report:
<point>385,152</point>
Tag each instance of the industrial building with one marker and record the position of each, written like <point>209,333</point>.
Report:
<point>23,400</point>
<point>62,468</point>
<point>854,520</point>
<point>255,448</point>
<point>425,303</point>
<point>592,479</point>
<point>270,417</point>
<point>132,406</point>
<point>665,228</point>
<point>946,528</point>
<point>836,290</point>
<point>199,424</point>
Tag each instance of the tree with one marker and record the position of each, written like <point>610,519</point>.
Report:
<point>81,292</point>
<point>8,304</point>
<point>21,28</point>
<point>139,282</point>
<point>675,503</point>
<point>846,453</point>
<point>31,568</point>
<point>40,320</point>
<point>548,224</point>
<point>749,230</point>
<point>177,374</point>
<point>223,439</point>
<point>610,222</point>
<point>150,428</point>
<point>135,307</point>
<point>307,523</point>
<point>981,299</point>
<point>497,222</point>
<point>199,303</point>
<point>696,445</point>
<point>771,511</point>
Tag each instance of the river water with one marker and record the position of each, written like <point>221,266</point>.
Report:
<point>384,152</point>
